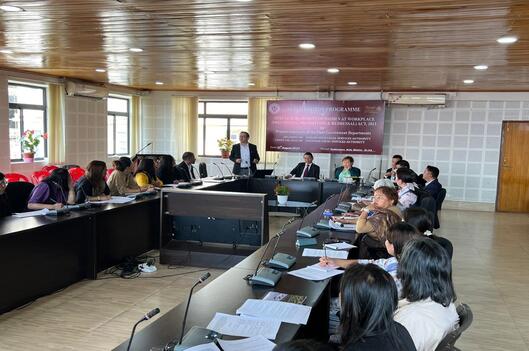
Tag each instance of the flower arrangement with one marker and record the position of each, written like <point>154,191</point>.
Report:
<point>281,190</point>
<point>225,144</point>
<point>30,142</point>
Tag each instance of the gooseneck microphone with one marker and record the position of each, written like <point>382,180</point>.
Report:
<point>229,170</point>
<point>147,316</point>
<point>202,279</point>
<point>221,176</point>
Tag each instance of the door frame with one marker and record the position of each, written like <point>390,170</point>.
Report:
<point>500,162</point>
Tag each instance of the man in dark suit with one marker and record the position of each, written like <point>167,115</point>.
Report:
<point>306,169</point>
<point>244,156</point>
<point>185,169</point>
<point>432,185</point>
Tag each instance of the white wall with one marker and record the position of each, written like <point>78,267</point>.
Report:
<point>463,139</point>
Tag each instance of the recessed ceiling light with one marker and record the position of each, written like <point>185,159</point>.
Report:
<point>307,46</point>
<point>352,83</point>
<point>468,81</point>
<point>251,84</point>
<point>243,0</point>
<point>507,40</point>
<point>333,70</point>
<point>101,70</point>
<point>6,51</point>
<point>8,8</point>
<point>135,50</point>
<point>481,67</point>
<point>158,82</point>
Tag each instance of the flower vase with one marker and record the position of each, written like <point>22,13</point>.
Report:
<point>28,157</point>
<point>282,199</point>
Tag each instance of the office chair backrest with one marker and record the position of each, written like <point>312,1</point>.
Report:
<point>76,173</point>
<point>67,167</point>
<point>440,198</point>
<point>38,176</point>
<point>49,168</point>
<point>18,195</point>
<point>465,320</point>
<point>16,177</point>
<point>203,170</point>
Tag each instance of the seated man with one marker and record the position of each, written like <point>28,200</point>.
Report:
<point>346,170</point>
<point>306,169</point>
<point>185,169</point>
<point>390,173</point>
<point>432,185</point>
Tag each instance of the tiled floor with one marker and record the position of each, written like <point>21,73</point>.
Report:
<point>491,261</point>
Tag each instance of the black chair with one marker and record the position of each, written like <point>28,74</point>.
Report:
<point>18,195</point>
<point>440,198</point>
<point>426,201</point>
<point>465,320</point>
<point>203,170</point>
<point>70,166</point>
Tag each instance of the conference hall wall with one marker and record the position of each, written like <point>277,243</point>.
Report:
<point>463,140</point>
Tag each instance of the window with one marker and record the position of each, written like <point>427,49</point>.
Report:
<point>27,111</point>
<point>118,126</point>
<point>219,119</point>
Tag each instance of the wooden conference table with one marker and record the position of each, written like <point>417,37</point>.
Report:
<point>229,291</point>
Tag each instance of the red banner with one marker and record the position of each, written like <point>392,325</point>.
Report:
<point>353,127</point>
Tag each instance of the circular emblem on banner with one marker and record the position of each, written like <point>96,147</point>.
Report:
<point>274,107</point>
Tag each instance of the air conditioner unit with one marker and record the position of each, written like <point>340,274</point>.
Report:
<point>416,99</point>
<point>86,90</point>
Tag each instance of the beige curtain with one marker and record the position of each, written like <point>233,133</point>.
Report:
<point>135,126</point>
<point>257,128</point>
<point>184,125</point>
<point>56,143</point>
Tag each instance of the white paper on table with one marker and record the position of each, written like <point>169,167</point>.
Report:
<point>346,227</point>
<point>42,212</point>
<point>204,347</point>
<point>340,246</point>
<point>255,343</point>
<point>314,274</point>
<point>115,200</point>
<point>325,268</point>
<point>321,253</point>
<point>244,326</point>
<point>283,311</point>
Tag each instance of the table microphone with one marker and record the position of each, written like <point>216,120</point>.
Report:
<point>202,279</point>
<point>229,170</point>
<point>221,176</point>
<point>281,260</point>
<point>149,315</point>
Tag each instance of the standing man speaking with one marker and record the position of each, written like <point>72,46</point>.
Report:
<point>244,156</point>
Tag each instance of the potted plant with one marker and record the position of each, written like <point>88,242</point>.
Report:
<point>282,192</point>
<point>30,142</point>
<point>225,145</point>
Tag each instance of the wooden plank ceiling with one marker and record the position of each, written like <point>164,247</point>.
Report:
<point>428,45</point>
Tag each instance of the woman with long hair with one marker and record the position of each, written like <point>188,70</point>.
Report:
<point>166,170</point>
<point>92,186</point>
<point>427,307</point>
<point>368,301</point>
<point>53,192</point>
<point>145,174</point>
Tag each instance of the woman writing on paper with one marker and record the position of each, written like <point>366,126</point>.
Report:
<point>92,186</point>
<point>53,192</point>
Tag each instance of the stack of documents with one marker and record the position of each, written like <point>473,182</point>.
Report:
<point>325,253</point>
<point>276,310</point>
<point>244,326</point>
<point>256,343</point>
<point>342,226</point>
<point>316,272</point>
<point>42,212</point>
<point>115,200</point>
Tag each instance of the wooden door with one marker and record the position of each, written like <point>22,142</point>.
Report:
<point>513,178</point>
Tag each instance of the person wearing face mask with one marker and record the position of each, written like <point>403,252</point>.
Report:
<point>121,182</point>
<point>244,156</point>
<point>306,169</point>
